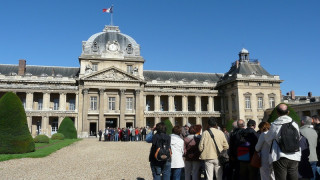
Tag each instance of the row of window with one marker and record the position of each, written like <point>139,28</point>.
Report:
<point>260,102</point>
<point>72,105</point>
<point>95,68</point>
<point>111,103</point>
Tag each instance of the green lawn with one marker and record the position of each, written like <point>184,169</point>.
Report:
<point>42,149</point>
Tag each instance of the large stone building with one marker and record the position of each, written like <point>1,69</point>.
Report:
<point>112,89</point>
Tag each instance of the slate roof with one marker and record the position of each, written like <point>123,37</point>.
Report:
<point>40,70</point>
<point>246,68</point>
<point>181,76</point>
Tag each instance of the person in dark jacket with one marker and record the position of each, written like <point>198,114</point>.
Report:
<point>304,167</point>
<point>160,168</point>
<point>234,168</point>
<point>247,172</point>
<point>100,134</point>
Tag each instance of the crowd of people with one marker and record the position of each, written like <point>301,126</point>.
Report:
<point>281,150</point>
<point>124,134</point>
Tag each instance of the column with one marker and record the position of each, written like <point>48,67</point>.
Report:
<point>184,121</point>
<point>198,104</point>
<point>77,102</point>
<point>76,123</point>
<point>210,103</point>
<point>198,120</point>
<point>172,120</point>
<point>62,101</point>
<point>44,125</point>
<point>85,124</point>
<point>101,125</point>
<point>122,107</point>
<point>156,103</point>
<point>46,101</point>
<point>171,103</point>
<point>156,120</point>
<point>184,103</point>
<point>140,107</point>
<point>29,101</point>
<point>29,121</point>
<point>60,119</point>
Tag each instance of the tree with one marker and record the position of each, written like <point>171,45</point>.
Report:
<point>67,129</point>
<point>169,126</point>
<point>273,116</point>
<point>229,126</point>
<point>15,136</point>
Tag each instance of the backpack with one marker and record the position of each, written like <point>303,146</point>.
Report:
<point>289,137</point>
<point>243,149</point>
<point>192,152</point>
<point>163,151</point>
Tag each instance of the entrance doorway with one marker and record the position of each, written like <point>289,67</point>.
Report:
<point>129,124</point>
<point>93,129</point>
<point>111,122</point>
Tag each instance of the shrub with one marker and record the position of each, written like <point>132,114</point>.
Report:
<point>14,133</point>
<point>57,136</point>
<point>229,126</point>
<point>169,126</point>
<point>67,129</point>
<point>41,139</point>
<point>273,116</point>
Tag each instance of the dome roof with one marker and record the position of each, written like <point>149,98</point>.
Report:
<point>110,43</point>
<point>244,51</point>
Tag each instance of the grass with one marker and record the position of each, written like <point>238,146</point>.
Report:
<point>42,149</point>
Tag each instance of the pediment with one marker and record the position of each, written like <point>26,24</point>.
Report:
<point>111,74</point>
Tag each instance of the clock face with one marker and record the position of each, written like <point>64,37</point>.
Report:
<point>113,47</point>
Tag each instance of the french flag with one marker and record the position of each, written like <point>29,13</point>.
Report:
<point>109,10</point>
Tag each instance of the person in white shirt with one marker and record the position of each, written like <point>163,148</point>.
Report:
<point>177,148</point>
<point>285,165</point>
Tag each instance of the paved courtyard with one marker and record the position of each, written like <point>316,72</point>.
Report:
<point>86,159</point>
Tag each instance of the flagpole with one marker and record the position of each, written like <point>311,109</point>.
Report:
<point>111,19</point>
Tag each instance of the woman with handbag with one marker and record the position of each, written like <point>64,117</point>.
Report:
<point>192,153</point>
<point>266,170</point>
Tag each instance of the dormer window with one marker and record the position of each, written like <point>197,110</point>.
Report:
<point>44,75</point>
<point>129,69</point>
<point>94,67</point>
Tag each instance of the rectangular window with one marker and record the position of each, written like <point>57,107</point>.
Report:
<point>72,105</point>
<point>260,103</point>
<point>93,103</point>
<point>40,103</point>
<point>24,103</point>
<point>129,103</point>
<point>129,69</point>
<point>112,103</point>
<point>94,67</point>
<point>55,104</point>
<point>272,102</point>
<point>248,103</point>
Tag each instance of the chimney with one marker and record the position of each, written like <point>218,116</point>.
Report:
<point>293,95</point>
<point>237,64</point>
<point>22,67</point>
<point>309,94</point>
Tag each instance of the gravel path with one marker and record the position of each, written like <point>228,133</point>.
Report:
<point>86,159</point>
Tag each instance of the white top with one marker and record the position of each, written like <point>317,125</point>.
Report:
<point>273,133</point>
<point>177,146</point>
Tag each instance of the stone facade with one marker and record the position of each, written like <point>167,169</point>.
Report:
<point>111,89</point>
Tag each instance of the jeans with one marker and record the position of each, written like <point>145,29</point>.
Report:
<point>132,138</point>
<point>116,137</point>
<point>314,169</point>
<point>175,173</point>
<point>164,170</point>
<point>285,169</point>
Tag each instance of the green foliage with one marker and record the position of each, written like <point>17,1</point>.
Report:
<point>41,139</point>
<point>229,125</point>
<point>67,129</point>
<point>14,133</point>
<point>169,126</point>
<point>273,116</point>
<point>57,136</point>
<point>42,150</point>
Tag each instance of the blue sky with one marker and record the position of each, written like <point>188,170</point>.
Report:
<point>174,35</point>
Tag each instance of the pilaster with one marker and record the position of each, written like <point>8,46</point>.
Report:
<point>29,101</point>
<point>184,103</point>
<point>122,107</point>
<point>85,111</point>
<point>46,101</point>
<point>101,125</point>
